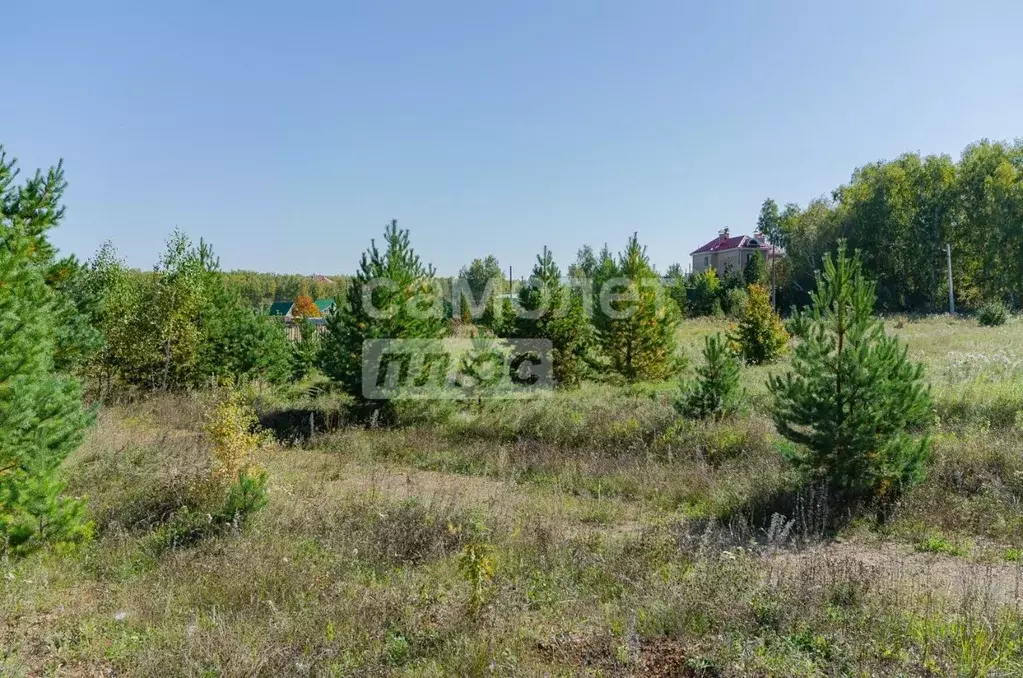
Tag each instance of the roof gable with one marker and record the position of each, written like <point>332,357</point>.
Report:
<point>281,307</point>
<point>722,244</point>
<point>324,305</point>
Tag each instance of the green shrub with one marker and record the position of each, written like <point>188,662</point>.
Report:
<point>304,351</point>
<point>798,324</point>
<point>992,314</point>
<point>238,484</point>
<point>704,294</point>
<point>483,363</point>
<point>677,291</point>
<point>940,545</point>
<point>716,391</point>
<point>735,302</point>
<point>218,510</point>
<point>755,271</point>
<point>499,316</point>
<point>760,337</point>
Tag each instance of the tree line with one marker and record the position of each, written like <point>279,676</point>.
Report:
<point>632,339</point>
<point>178,325</point>
<point>900,215</point>
<point>260,290</point>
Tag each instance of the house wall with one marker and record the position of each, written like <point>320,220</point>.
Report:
<point>722,262</point>
<point>701,262</point>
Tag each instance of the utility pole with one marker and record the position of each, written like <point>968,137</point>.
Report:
<point>774,281</point>
<point>951,292</point>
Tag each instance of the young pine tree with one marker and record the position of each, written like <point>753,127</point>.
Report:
<point>393,296</point>
<point>716,391</point>
<point>499,316</point>
<point>572,335</point>
<point>237,342</point>
<point>465,310</point>
<point>637,320</point>
<point>540,297</point>
<point>852,399</point>
<point>305,350</point>
<point>41,415</point>
<point>760,336</point>
<point>554,311</point>
<point>677,289</point>
<point>77,310</point>
<point>483,365</point>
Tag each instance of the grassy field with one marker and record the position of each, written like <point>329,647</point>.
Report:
<point>625,541</point>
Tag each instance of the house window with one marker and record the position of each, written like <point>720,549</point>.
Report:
<point>706,261</point>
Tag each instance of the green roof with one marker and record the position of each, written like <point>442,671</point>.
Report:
<point>281,307</point>
<point>284,307</point>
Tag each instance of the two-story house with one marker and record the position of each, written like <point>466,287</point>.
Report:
<point>730,253</point>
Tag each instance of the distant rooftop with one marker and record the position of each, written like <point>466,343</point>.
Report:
<point>725,242</point>
<point>324,304</point>
<point>283,308</point>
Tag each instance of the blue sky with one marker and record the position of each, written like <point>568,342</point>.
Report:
<point>288,134</point>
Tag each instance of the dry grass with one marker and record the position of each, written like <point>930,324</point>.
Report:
<point>627,543</point>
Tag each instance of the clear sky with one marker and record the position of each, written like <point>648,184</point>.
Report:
<point>289,133</point>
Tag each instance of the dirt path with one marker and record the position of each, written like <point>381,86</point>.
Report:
<point>898,567</point>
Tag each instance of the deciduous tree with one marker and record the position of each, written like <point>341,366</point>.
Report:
<point>305,307</point>
<point>705,291</point>
<point>759,336</point>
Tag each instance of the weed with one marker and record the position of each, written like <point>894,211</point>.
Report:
<point>477,564</point>
<point>940,545</point>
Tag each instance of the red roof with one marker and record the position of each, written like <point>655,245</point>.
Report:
<point>720,244</point>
